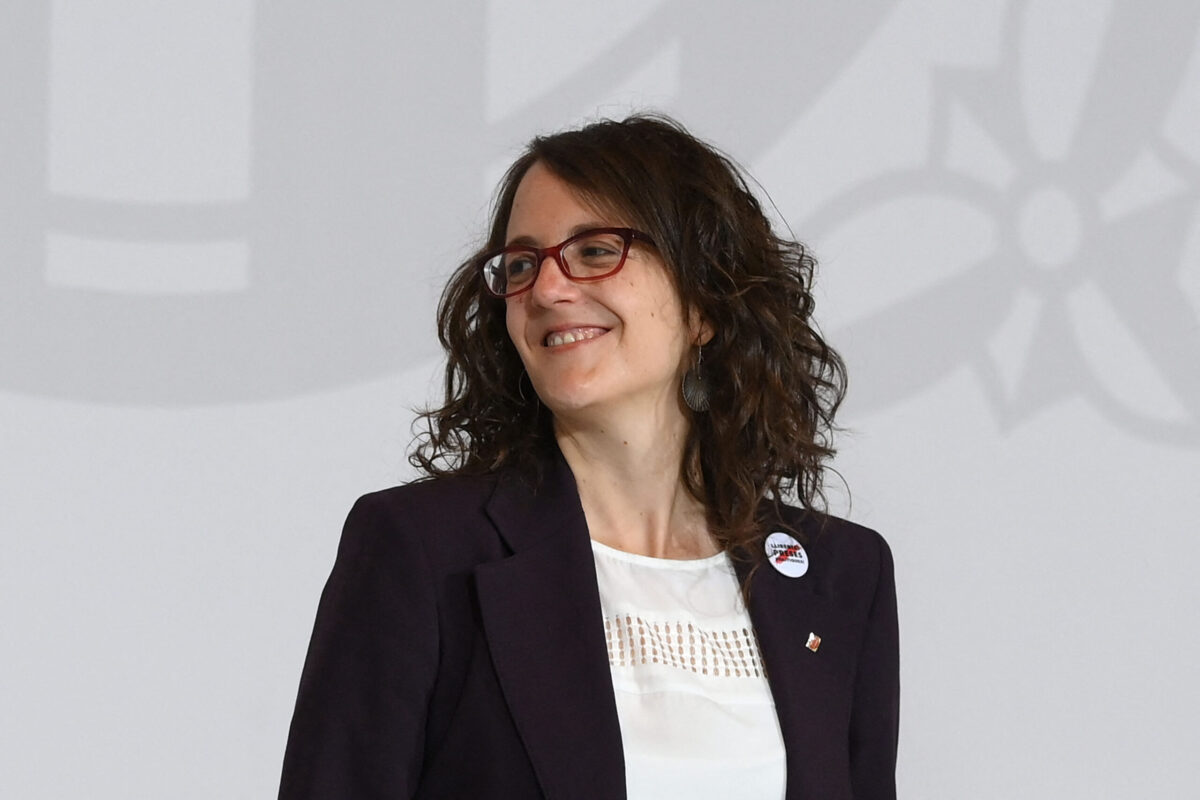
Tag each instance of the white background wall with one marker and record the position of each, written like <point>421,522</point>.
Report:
<point>224,225</point>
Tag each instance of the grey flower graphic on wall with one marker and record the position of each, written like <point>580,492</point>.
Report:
<point>1091,206</point>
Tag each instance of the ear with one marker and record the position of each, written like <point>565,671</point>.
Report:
<point>700,329</point>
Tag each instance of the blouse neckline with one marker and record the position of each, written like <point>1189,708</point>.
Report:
<point>708,562</point>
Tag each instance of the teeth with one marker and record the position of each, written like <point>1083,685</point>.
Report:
<point>570,337</point>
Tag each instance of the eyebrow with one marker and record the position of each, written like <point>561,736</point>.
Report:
<point>575,231</point>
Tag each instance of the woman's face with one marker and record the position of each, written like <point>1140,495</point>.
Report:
<point>630,341</point>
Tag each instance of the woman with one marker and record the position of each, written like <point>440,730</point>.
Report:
<point>601,592</point>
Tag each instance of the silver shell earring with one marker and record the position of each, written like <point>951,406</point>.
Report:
<point>695,387</point>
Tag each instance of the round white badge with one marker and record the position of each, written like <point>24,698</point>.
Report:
<point>786,554</point>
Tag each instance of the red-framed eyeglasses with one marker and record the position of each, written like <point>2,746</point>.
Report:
<point>590,255</point>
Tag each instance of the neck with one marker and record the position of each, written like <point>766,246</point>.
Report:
<point>629,471</point>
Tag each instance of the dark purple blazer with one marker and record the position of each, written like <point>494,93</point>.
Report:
<point>459,652</point>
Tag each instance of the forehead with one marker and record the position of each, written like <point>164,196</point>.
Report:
<point>544,205</point>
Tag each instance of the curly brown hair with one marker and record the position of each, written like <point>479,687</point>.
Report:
<point>774,383</point>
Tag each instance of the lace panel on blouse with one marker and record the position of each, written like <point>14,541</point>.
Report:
<point>633,640</point>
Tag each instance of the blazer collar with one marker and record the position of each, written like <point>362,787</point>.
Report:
<point>526,511</point>
<point>542,618</point>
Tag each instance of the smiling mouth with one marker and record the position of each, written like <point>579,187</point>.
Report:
<point>560,338</point>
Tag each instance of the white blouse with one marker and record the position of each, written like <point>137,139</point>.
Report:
<point>697,716</point>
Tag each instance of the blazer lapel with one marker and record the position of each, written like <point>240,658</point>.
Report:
<point>784,612</point>
<point>542,618</point>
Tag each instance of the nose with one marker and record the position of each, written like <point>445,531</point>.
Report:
<point>552,284</point>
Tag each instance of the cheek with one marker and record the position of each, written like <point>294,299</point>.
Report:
<point>514,315</point>
<point>666,314</point>
<point>515,319</point>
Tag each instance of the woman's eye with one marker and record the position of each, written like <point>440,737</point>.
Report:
<point>600,249</point>
<point>521,266</point>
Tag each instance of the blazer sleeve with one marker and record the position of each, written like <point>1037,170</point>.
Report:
<point>359,725</point>
<point>875,715</point>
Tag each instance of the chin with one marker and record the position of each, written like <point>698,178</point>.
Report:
<point>567,403</point>
<point>567,392</point>
<point>571,399</point>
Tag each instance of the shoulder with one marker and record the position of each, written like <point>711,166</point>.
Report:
<point>848,563</point>
<point>846,540</point>
<point>428,499</point>
<point>440,521</point>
